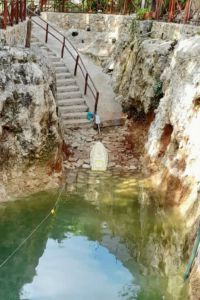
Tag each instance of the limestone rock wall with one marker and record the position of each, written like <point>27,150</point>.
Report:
<point>161,73</point>
<point>15,35</point>
<point>173,135</point>
<point>173,139</point>
<point>97,34</point>
<point>137,72</point>
<point>29,128</point>
<point>97,22</point>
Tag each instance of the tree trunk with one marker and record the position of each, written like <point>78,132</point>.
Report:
<point>143,3</point>
<point>153,5</point>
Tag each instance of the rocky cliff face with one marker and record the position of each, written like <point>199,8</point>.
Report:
<point>29,131</point>
<point>163,76</point>
<point>173,136</point>
<point>137,73</point>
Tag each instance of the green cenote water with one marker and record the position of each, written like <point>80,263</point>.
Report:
<point>109,239</point>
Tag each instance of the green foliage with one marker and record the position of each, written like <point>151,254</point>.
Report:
<point>158,93</point>
<point>183,1</point>
<point>141,12</point>
<point>158,88</point>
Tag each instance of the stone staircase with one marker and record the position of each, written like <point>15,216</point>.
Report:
<point>71,103</point>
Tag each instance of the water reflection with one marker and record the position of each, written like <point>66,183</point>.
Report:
<point>78,266</point>
<point>110,239</point>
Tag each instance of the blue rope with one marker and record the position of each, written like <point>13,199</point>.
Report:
<point>192,257</point>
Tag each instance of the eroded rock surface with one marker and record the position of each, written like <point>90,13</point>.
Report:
<point>29,131</point>
<point>137,73</point>
<point>173,136</point>
<point>162,75</point>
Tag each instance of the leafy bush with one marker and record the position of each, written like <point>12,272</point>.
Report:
<point>141,12</point>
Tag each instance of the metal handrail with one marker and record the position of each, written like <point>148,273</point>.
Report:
<point>89,84</point>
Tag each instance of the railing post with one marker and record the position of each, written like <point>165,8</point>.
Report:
<point>63,48</point>
<point>86,84</point>
<point>96,103</point>
<point>47,31</point>
<point>76,65</point>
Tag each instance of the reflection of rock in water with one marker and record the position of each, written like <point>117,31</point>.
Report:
<point>116,213</point>
<point>94,186</point>
<point>14,226</point>
<point>138,227</point>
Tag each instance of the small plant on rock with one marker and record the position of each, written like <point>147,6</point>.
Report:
<point>142,12</point>
<point>158,88</point>
<point>158,93</point>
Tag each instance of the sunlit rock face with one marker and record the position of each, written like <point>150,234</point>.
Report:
<point>179,109</point>
<point>163,75</point>
<point>137,72</point>
<point>173,137</point>
<point>29,132</point>
<point>95,35</point>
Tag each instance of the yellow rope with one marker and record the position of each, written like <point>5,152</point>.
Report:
<point>52,212</point>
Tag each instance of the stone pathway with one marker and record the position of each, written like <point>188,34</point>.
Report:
<point>115,139</point>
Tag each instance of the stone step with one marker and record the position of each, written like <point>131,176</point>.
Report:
<point>46,49</point>
<point>69,102</point>
<point>76,123</point>
<point>52,55</point>
<point>74,115</point>
<point>65,82</point>
<point>65,75</point>
<point>58,64</point>
<point>59,70</point>
<point>68,95</point>
<point>39,44</point>
<point>34,39</point>
<point>69,88</point>
<point>54,59</point>
<point>73,109</point>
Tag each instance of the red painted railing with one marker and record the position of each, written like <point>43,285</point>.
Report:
<point>158,7</point>
<point>68,47</point>
<point>173,8</point>
<point>12,12</point>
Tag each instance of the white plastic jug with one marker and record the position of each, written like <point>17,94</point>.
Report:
<point>98,157</point>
